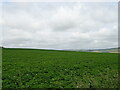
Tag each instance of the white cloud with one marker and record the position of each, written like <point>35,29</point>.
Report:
<point>61,0</point>
<point>1,21</point>
<point>60,25</point>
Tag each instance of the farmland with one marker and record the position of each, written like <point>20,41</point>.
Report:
<point>32,68</point>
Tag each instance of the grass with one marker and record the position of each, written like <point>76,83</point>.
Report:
<point>30,68</point>
<point>0,68</point>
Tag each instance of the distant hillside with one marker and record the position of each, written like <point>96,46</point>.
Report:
<point>108,50</point>
<point>1,47</point>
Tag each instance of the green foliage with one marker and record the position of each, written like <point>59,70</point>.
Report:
<point>27,68</point>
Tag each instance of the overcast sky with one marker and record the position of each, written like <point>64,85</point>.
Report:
<point>60,25</point>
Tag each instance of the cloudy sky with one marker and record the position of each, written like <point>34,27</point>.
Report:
<point>60,25</point>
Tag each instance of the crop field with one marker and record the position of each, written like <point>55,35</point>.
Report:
<point>32,68</point>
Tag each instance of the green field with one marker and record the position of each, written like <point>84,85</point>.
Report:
<point>32,68</point>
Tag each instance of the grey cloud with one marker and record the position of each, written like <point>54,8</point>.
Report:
<point>60,25</point>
